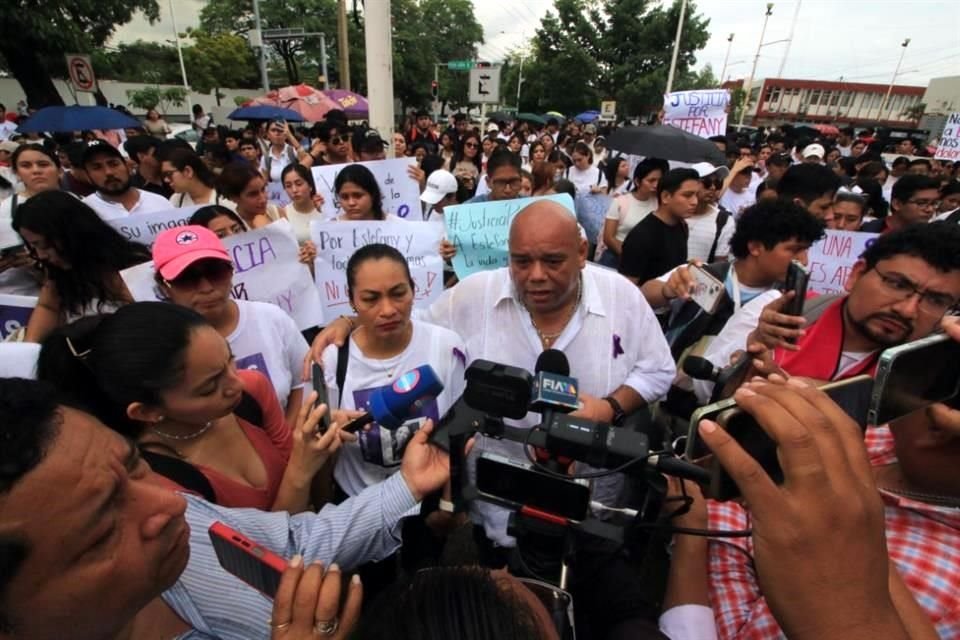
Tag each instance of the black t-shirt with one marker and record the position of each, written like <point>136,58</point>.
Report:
<point>652,248</point>
<point>136,180</point>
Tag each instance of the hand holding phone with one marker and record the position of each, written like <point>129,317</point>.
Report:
<point>254,564</point>
<point>707,291</point>
<point>320,387</point>
<point>797,279</point>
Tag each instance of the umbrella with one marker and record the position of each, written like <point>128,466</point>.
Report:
<point>669,143</point>
<point>264,112</point>
<point>500,116</point>
<point>555,114</point>
<point>353,104</point>
<point>531,117</point>
<point>587,116</point>
<point>310,103</point>
<point>77,118</point>
<point>827,129</point>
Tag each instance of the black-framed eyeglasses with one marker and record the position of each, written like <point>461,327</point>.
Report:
<point>925,204</point>
<point>711,183</point>
<point>932,303</point>
<point>510,183</point>
<point>166,175</point>
<point>211,270</point>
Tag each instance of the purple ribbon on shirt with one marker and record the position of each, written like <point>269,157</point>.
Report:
<point>617,348</point>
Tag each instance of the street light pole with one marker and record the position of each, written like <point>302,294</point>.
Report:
<point>726,58</point>
<point>183,68</point>
<point>886,98</point>
<point>323,61</point>
<point>343,45</point>
<point>264,80</point>
<point>756,59</point>
<point>676,47</point>
<point>786,52</point>
<point>519,83</point>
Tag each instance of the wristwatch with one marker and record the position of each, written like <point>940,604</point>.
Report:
<point>618,413</point>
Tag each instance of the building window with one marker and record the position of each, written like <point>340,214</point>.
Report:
<point>875,101</point>
<point>845,101</point>
<point>834,98</point>
<point>775,95</point>
<point>815,97</point>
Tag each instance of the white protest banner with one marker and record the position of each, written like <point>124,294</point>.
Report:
<point>401,194</point>
<point>949,147</point>
<point>831,259</point>
<point>277,195</point>
<point>480,231</point>
<point>702,113</point>
<point>419,242</point>
<point>145,227</point>
<point>266,269</point>
<point>14,313</point>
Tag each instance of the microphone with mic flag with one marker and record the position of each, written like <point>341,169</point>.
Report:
<point>391,406</point>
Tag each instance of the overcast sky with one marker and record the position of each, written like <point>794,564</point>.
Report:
<point>858,40</point>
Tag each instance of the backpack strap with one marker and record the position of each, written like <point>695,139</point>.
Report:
<point>814,307</point>
<point>250,410</point>
<point>180,202</point>
<point>14,203</point>
<point>343,359</point>
<point>182,472</point>
<point>722,216</point>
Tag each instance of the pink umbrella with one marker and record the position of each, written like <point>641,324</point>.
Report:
<point>310,103</point>
<point>353,104</point>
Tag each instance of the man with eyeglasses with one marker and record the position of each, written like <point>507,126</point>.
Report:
<point>336,145</point>
<point>503,177</point>
<point>914,200</point>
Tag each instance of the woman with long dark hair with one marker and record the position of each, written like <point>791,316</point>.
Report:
<point>466,164</point>
<point>244,185</point>
<point>630,208</point>
<point>81,256</point>
<point>359,194</point>
<point>191,179</point>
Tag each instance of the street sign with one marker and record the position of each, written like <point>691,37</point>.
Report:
<point>608,110</point>
<point>81,73</point>
<point>485,85</point>
<point>460,65</point>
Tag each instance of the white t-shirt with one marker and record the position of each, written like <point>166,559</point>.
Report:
<point>180,200</point>
<point>440,348</point>
<point>267,339</point>
<point>702,231</point>
<point>278,162</point>
<point>108,210</point>
<point>584,179</point>
<point>629,211</point>
<point>300,222</point>
<point>735,202</point>
<point>19,360</point>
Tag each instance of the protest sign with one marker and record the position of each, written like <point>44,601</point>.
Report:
<point>831,259</point>
<point>14,313</point>
<point>144,228</point>
<point>401,194</point>
<point>702,113</point>
<point>266,269</point>
<point>277,195</point>
<point>949,147</point>
<point>419,242</point>
<point>480,231</point>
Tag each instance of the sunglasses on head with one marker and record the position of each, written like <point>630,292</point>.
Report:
<point>211,270</point>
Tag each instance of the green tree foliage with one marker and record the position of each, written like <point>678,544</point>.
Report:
<point>36,35</point>
<point>157,98</point>
<point>454,34</point>
<point>219,60</point>
<point>138,61</point>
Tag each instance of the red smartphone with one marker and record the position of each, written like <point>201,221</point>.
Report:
<point>254,564</point>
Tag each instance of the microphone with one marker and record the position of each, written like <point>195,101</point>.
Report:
<point>700,368</point>
<point>391,406</point>
<point>553,388</point>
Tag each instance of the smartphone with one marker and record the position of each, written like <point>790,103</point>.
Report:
<point>913,376</point>
<point>797,279</point>
<point>513,484</point>
<point>11,251</point>
<point>707,290</point>
<point>731,377</point>
<point>320,386</point>
<point>254,564</point>
<point>852,395</point>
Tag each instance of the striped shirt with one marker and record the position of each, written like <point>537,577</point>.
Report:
<point>220,606</point>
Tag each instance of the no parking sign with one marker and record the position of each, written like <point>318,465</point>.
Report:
<point>81,73</point>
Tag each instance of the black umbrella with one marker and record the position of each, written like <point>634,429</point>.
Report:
<point>500,116</point>
<point>669,143</point>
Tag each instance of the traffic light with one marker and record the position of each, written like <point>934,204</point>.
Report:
<point>483,65</point>
<point>435,89</point>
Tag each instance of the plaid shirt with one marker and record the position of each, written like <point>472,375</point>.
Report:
<point>922,540</point>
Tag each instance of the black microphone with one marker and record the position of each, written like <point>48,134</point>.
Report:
<point>553,388</point>
<point>700,368</point>
<point>553,361</point>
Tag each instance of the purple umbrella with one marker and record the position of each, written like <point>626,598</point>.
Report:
<point>353,104</point>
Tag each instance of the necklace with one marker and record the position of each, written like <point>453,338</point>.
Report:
<point>930,498</point>
<point>547,338</point>
<point>190,436</point>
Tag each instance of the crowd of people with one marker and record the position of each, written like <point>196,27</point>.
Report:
<point>129,428</point>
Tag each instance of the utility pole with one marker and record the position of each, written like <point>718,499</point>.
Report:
<point>378,40</point>
<point>786,52</point>
<point>886,98</point>
<point>726,58</point>
<point>749,85</point>
<point>519,83</point>
<point>264,80</point>
<point>183,68</point>
<point>676,47</point>
<point>343,45</point>
<point>323,61</point>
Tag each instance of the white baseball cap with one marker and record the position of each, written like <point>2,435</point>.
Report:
<point>705,169</point>
<point>440,184</point>
<point>813,150</point>
<point>493,127</point>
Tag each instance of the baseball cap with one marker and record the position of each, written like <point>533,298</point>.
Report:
<point>493,127</point>
<point>590,128</point>
<point>9,146</point>
<point>440,184</point>
<point>369,140</point>
<point>99,147</point>
<point>813,150</point>
<point>780,160</point>
<point>176,249</point>
<point>705,169</point>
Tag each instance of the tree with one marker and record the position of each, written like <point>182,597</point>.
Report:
<point>37,34</point>
<point>454,34</point>
<point>136,61</point>
<point>219,60</point>
<point>156,98</point>
<point>915,112</point>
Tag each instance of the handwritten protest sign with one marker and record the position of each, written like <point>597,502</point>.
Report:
<point>144,228</point>
<point>480,231</point>
<point>949,147</point>
<point>14,313</point>
<point>401,194</point>
<point>831,259</point>
<point>702,113</point>
<point>266,269</point>
<point>277,195</point>
<point>419,242</point>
